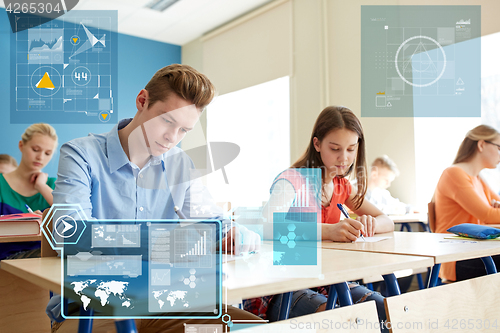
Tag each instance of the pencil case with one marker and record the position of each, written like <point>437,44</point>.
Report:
<point>475,231</point>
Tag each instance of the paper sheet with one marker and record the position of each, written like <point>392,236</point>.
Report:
<point>370,239</point>
<point>228,257</point>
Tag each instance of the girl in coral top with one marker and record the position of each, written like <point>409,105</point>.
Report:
<point>463,197</point>
<point>337,147</point>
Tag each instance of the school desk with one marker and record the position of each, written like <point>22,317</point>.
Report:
<point>20,299</point>
<point>337,267</point>
<point>46,273</point>
<point>14,239</point>
<point>426,244</point>
<point>405,220</point>
<point>451,309</point>
<point>357,318</point>
<point>23,301</point>
<point>252,280</point>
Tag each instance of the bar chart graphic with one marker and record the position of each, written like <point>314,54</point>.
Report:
<point>303,194</point>
<point>192,248</point>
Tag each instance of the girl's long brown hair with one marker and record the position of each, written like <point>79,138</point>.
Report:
<point>330,119</point>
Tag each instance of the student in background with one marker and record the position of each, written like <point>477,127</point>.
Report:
<point>7,163</point>
<point>463,197</point>
<point>28,184</point>
<point>337,147</point>
<point>382,174</point>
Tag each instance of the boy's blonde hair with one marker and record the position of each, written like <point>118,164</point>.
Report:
<point>385,162</point>
<point>183,80</point>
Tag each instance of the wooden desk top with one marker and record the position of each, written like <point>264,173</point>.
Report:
<point>43,272</point>
<point>14,239</point>
<point>423,244</point>
<point>409,218</point>
<point>337,266</point>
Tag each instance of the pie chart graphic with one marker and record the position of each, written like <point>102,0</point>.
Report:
<point>46,81</point>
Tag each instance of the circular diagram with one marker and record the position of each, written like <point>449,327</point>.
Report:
<point>45,81</point>
<point>70,226</point>
<point>418,63</point>
<point>104,116</point>
<point>75,40</point>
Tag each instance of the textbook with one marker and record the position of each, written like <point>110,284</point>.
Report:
<point>20,217</point>
<point>20,224</point>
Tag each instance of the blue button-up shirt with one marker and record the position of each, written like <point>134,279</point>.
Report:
<point>95,173</point>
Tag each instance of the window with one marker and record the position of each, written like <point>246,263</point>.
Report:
<point>437,139</point>
<point>257,119</point>
<point>490,96</point>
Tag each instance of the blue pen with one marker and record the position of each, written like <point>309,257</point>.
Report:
<point>28,208</point>
<point>342,209</point>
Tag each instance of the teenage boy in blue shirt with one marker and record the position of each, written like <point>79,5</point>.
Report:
<point>136,171</point>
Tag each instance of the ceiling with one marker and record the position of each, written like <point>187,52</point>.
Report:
<point>179,24</point>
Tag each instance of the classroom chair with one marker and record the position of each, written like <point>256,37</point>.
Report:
<point>356,318</point>
<point>488,261</point>
<point>465,306</point>
<point>431,213</point>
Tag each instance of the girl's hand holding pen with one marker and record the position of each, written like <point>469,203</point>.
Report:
<point>347,230</point>
<point>361,230</point>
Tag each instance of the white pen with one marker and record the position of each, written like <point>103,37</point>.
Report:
<point>179,213</point>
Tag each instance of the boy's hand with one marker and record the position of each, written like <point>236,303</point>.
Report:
<point>240,240</point>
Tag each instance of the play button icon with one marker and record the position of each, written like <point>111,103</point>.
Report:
<point>67,226</point>
<point>64,226</point>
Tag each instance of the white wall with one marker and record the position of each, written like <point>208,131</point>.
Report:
<point>324,59</point>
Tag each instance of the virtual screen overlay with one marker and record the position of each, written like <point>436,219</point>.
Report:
<point>134,269</point>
